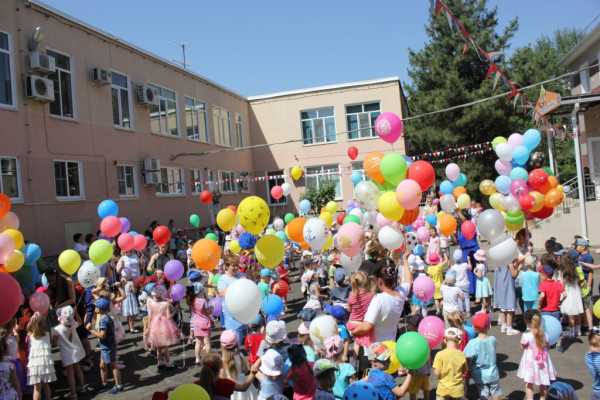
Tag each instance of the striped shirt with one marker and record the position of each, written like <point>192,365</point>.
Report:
<point>592,361</point>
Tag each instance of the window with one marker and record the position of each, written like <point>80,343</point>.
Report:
<point>10,183</point>
<point>358,166</point>
<point>222,125</point>
<point>243,185</point>
<point>318,175</point>
<point>275,178</point>
<point>163,117</point>
<point>126,180</point>
<point>195,120</point>
<point>361,118</point>
<point>120,100</point>
<point>62,105</point>
<point>211,179</point>
<point>228,184</point>
<point>239,135</point>
<point>171,181</point>
<point>68,180</point>
<point>318,125</point>
<point>585,80</point>
<point>195,180</point>
<point>7,86</point>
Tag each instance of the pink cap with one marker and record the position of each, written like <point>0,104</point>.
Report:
<point>228,339</point>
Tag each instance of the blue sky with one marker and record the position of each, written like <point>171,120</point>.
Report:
<point>256,47</point>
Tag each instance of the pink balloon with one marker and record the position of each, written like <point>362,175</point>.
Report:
<point>468,230</point>
<point>518,187</point>
<point>389,126</point>
<point>125,224</point>
<point>139,242</point>
<point>382,221</point>
<point>408,194</point>
<point>514,140</point>
<point>110,226</point>
<point>435,202</point>
<point>126,241</point>
<point>423,234</point>
<point>423,287</point>
<point>7,245</point>
<point>452,171</point>
<point>503,167</point>
<point>349,239</point>
<point>276,192</point>
<point>39,302</point>
<point>419,222</point>
<point>432,329</point>
<point>9,221</point>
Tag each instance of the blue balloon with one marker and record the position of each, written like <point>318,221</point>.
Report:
<point>470,330</point>
<point>361,390</point>
<point>419,250</point>
<point>520,155</point>
<point>460,181</point>
<point>281,235</point>
<point>304,206</point>
<point>531,139</point>
<point>247,241</point>
<point>431,219</point>
<point>408,160</point>
<point>272,305</point>
<point>32,253</point>
<point>503,184</point>
<point>133,233</point>
<point>519,173</point>
<point>408,228</point>
<point>107,208</point>
<point>552,328</point>
<point>356,177</point>
<point>446,187</point>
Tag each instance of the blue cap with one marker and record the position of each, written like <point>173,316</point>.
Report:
<point>340,275</point>
<point>149,286</point>
<point>265,272</point>
<point>194,275</point>
<point>548,270</point>
<point>102,304</point>
<point>337,312</point>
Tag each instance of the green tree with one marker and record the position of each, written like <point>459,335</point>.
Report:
<point>320,196</point>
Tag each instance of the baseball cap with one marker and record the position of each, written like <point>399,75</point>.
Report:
<point>582,242</point>
<point>228,339</point>
<point>194,275</point>
<point>265,272</point>
<point>481,322</point>
<point>378,351</point>
<point>102,304</point>
<point>337,312</point>
<point>323,365</point>
<point>340,275</point>
<point>548,270</point>
<point>307,253</point>
<point>450,277</point>
<point>452,334</point>
<point>307,314</point>
<point>333,346</point>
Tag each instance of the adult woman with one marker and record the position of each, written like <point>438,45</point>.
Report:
<point>505,298</point>
<point>159,259</point>
<point>61,292</point>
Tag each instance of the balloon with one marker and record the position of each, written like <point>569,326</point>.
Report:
<point>14,261</point>
<point>195,220</point>
<point>278,224</point>
<point>361,390</point>
<point>458,190</point>
<point>243,300</point>
<point>11,297</point>
<point>412,350</point>
<point>216,304</point>
<point>423,173</point>
<point>431,220</point>
<point>520,155</point>
<point>226,219</point>
<point>371,166</point>
<point>393,168</point>
<point>468,230</point>
<point>447,224</point>
<point>315,233</point>
<point>321,328</point>
<point>408,194</point>
<point>389,126</point>
<point>460,181</point>
<point>432,329</point>
<point>331,207</point>
<point>537,179</point>
<point>177,292</point>
<point>526,201</point>
<point>327,218</point>
<point>88,274</point>
<point>269,251</point>
<point>502,251</point>
<point>498,140</point>
<point>544,213</point>
<point>206,197</point>
<point>5,205</point>
<point>538,199</point>
<point>519,173</point>
<point>419,222</point>
<point>552,181</point>
<point>253,214</point>
<point>552,328</point>
<point>69,260</point>
<point>295,229</point>
<point>139,242</point>
<point>503,184</point>
<point>446,187</point>
<point>206,254</point>
<point>552,198</point>
<point>497,201</point>
<point>518,187</point>
<point>110,226</point>
<point>101,251</point>
<point>352,152</point>
<point>470,331</point>
<point>356,177</point>
<point>503,167</point>
<point>304,206</point>
<point>394,363</point>
<point>16,236</point>
<point>211,236</point>
<point>288,217</point>
<point>272,305</point>
<point>515,140</point>
<point>367,193</point>
<point>423,234</point>
<point>174,270</point>
<point>125,224</point>
<point>452,171</point>
<point>423,288</point>
<point>532,138</point>
<point>189,391</point>
<point>161,235</point>
<point>108,208</point>
<point>234,246</point>
<point>597,309</point>
<point>351,264</point>
<point>390,238</point>
<point>537,160</point>
<point>463,201</point>
<point>32,252</point>
<point>296,173</point>
<point>447,203</point>
<point>39,302</point>
<point>276,192</point>
<point>125,242</point>
<point>504,152</point>
<point>514,220</point>
<point>349,239</point>
<point>287,188</point>
<point>247,240</point>
<point>388,205</point>
<point>490,224</point>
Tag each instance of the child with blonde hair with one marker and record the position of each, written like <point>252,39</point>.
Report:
<point>345,372</point>
<point>40,367</point>
<point>235,366</point>
<point>71,349</point>
<point>358,302</point>
<point>200,323</point>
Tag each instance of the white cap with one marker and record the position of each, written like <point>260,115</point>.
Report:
<point>271,363</point>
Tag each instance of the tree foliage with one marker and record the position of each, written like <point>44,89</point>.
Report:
<point>320,196</point>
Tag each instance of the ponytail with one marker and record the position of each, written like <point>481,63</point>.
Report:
<point>538,331</point>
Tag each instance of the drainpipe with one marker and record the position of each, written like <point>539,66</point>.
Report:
<point>579,166</point>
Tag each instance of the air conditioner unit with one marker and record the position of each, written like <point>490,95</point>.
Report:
<point>151,171</point>
<point>39,88</point>
<point>101,76</point>
<point>41,63</point>
<point>146,95</point>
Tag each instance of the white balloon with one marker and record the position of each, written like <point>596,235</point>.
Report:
<point>351,264</point>
<point>411,240</point>
<point>502,251</point>
<point>510,203</point>
<point>243,300</point>
<point>357,212</point>
<point>321,328</point>
<point>88,274</point>
<point>286,188</point>
<point>447,203</point>
<point>315,233</point>
<point>390,238</point>
<point>278,224</point>
<point>367,194</point>
<point>504,151</point>
<point>490,224</point>
<point>370,218</point>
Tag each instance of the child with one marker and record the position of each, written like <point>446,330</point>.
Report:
<point>529,281</point>
<point>572,305</point>
<point>264,285</point>
<point>481,352</point>
<point>592,361</point>
<point>300,374</point>
<point>275,339</point>
<point>384,383</point>
<point>535,367</point>
<point>451,295</point>
<point>188,254</point>
<point>254,338</point>
<point>200,322</point>
<point>420,377</point>
<point>461,269</point>
<point>456,320</point>
<point>483,288</point>
<point>433,255</point>
<point>551,291</point>
<point>436,273</point>
<point>340,315</point>
<point>71,349</point>
<point>450,366</point>
<point>304,340</point>
<point>162,331</point>
<point>216,387</point>
<point>108,345</point>
<point>324,371</point>
<point>40,367</point>
<point>344,373</point>
<point>270,375</point>
<point>235,367</point>
<point>130,306</point>
<point>358,303</point>
<point>10,389</point>
<point>340,291</point>
<point>418,306</point>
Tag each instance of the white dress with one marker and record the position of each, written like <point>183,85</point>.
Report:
<point>71,350</point>
<point>131,267</point>
<point>572,304</point>
<point>40,367</point>
<point>251,393</point>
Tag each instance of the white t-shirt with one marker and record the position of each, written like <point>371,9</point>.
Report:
<point>80,247</point>
<point>462,279</point>
<point>451,298</point>
<point>384,313</point>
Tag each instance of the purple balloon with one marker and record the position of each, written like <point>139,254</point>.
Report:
<point>503,167</point>
<point>518,187</point>
<point>217,306</point>
<point>174,270</point>
<point>125,225</point>
<point>177,292</point>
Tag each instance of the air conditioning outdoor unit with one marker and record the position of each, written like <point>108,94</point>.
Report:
<point>39,88</point>
<point>41,63</point>
<point>101,76</point>
<point>146,95</point>
<point>151,171</point>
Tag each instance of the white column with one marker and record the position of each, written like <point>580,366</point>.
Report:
<point>579,166</point>
<point>550,140</point>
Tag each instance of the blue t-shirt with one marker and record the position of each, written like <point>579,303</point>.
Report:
<point>529,282</point>
<point>482,355</point>
<point>342,379</point>
<point>383,383</point>
<point>343,332</point>
<point>586,258</point>
<point>107,324</point>
<point>592,361</point>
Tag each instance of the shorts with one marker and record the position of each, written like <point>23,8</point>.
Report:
<point>529,305</point>
<point>108,355</point>
<point>587,302</point>
<point>417,383</point>
<point>489,390</point>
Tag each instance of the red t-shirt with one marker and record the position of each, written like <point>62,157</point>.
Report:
<point>552,290</point>
<point>251,344</point>
<point>359,303</point>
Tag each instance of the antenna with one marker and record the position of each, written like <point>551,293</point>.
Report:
<point>182,62</point>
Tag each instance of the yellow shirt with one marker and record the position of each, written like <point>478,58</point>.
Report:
<point>436,273</point>
<point>450,364</point>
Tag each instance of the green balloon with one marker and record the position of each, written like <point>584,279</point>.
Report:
<point>393,167</point>
<point>195,220</point>
<point>412,350</point>
<point>100,251</point>
<point>497,140</point>
<point>351,218</point>
<point>289,217</point>
<point>548,171</point>
<point>514,217</point>
<point>211,236</point>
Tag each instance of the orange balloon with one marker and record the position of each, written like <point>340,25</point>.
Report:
<point>553,198</point>
<point>304,245</point>
<point>5,204</point>
<point>553,181</point>
<point>409,216</point>
<point>206,254</point>
<point>447,224</point>
<point>545,187</point>
<point>371,166</point>
<point>295,229</point>
<point>458,191</point>
<point>2,269</point>
<point>538,199</point>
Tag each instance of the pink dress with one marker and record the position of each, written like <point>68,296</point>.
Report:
<point>200,322</point>
<point>162,331</point>
<point>536,366</point>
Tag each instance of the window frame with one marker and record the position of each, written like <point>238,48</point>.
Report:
<point>243,186</point>
<point>322,173</point>
<point>195,182</point>
<point>278,182</point>
<point>177,124</point>
<point>182,182</point>
<point>11,71</point>
<point>585,79</point>
<point>135,181</point>
<point>129,98</point>
<point>81,181</point>
<point>18,199</point>
<point>73,86</point>
<point>239,131</point>
<point>222,180</point>
<point>357,114</point>
<point>195,113</point>
<point>354,166</point>
<point>593,172</point>
<point>302,120</point>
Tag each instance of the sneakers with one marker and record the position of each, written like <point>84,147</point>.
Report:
<point>511,332</point>
<point>503,328</point>
<point>116,389</point>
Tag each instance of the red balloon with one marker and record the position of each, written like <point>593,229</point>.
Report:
<point>11,297</point>
<point>543,213</point>
<point>276,192</point>
<point>139,242</point>
<point>110,226</point>
<point>352,152</point>
<point>537,179</point>
<point>422,172</point>
<point>5,204</point>
<point>206,197</point>
<point>340,218</point>
<point>468,230</point>
<point>526,201</point>
<point>125,242</point>
<point>161,235</point>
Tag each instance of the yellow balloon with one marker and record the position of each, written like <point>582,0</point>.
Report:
<point>331,207</point>
<point>538,199</point>
<point>234,246</point>
<point>561,188</point>
<point>394,363</point>
<point>69,261</point>
<point>487,187</point>
<point>296,173</point>
<point>388,205</point>
<point>226,219</point>
<point>327,218</point>
<point>513,227</point>
<point>496,200</point>
<point>253,214</point>
<point>14,261</point>
<point>189,391</point>
<point>463,201</point>
<point>596,308</point>
<point>328,243</point>
<point>269,251</point>
<point>16,236</point>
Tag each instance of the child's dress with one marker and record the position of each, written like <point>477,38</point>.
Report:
<point>71,349</point>
<point>7,392</point>
<point>200,322</point>
<point>572,304</point>
<point>535,366</point>
<point>40,367</point>
<point>162,331</point>
<point>433,255</point>
<point>483,287</point>
<point>130,306</point>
